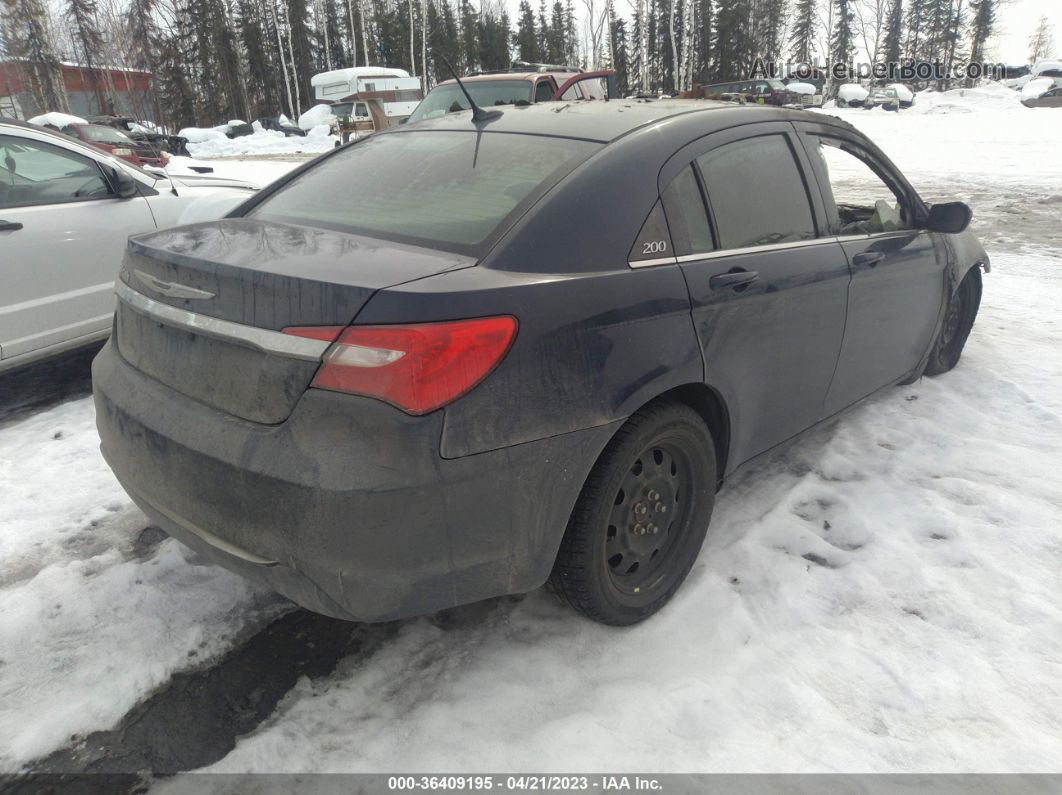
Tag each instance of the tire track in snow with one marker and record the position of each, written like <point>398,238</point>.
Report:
<point>196,717</point>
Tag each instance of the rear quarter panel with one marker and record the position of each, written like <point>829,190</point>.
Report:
<point>591,348</point>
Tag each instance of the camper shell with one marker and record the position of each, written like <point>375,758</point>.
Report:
<point>365,99</point>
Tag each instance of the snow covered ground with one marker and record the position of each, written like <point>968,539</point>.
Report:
<point>886,597</point>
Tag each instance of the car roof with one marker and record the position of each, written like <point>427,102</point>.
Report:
<point>495,77</point>
<point>604,121</point>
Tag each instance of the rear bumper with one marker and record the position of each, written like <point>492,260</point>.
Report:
<point>346,507</point>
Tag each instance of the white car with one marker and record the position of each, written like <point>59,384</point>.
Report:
<point>66,210</point>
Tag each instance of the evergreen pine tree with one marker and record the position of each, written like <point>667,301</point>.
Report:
<point>802,35</point>
<point>893,31</point>
<point>526,38</point>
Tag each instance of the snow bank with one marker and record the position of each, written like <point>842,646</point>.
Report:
<point>801,88</point>
<point>1035,88</point>
<point>852,91</point>
<point>262,142</point>
<point>989,97</point>
<point>56,119</point>
<point>200,135</point>
<point>318,114</point>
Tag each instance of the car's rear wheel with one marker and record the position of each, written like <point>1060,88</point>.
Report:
<point>641,517</point>
<point>958,321</point>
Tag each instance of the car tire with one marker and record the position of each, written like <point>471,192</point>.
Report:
<point>641,517</point>
<point>955,328</point>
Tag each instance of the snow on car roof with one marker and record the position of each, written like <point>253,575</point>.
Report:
<point>346,75</point>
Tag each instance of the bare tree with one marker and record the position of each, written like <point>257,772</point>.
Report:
<point>424,45</point>
<point>1042,41</point>
<point>595,27</point>
<point>869,24</point>
<point>270,7</point>
<point>353,34</point>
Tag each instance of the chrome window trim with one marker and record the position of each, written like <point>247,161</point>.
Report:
<point>730,252</point>
<point>649,263</point>
<point>264,340</point>
<point>880,235</point>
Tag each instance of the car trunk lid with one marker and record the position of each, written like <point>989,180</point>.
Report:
<point>202,307</point>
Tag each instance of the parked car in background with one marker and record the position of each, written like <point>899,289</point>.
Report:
<point>885,98</point>
<point>460,358</point>
<point>760,92</point>
<point>144,135</point>
<point>116,143</point>
<point>66,209</point>
<point>809,93</point>
<point>366,99</point>
<point>525,84</point>
<point>1052,98</point>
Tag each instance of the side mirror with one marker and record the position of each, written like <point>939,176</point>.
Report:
<point>403,120</point>
<point>125,186</point>
<point>949,217</point>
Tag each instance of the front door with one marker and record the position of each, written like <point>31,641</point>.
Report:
<point>61,244</point>
<point>768,291</point>
<point>898,283</point>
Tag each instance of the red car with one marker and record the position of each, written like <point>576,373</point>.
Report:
<point>116,142</point>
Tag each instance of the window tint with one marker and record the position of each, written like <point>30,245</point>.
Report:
<point>32,172</point>
<point>686,214</point>
<point>863,202</point>
<point>543,91</point>
<point>757,193</point>
<point>443,189</point>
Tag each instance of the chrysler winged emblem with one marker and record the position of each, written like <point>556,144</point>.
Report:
<point>171,289</point>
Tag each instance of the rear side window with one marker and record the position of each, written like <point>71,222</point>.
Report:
<point>686,214</point>
<point>442,189</point>
<point>757,193</point>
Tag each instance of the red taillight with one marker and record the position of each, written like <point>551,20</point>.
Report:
<point>418,367</point>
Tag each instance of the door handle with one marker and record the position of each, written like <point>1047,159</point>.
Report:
<point>10,226</point>
<point>868,259</point>
<point>734,280</point>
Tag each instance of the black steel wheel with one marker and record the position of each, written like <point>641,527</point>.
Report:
<point>958,321</point>
<point>641,517</point>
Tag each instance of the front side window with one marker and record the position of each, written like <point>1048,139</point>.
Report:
<point>863,202</point>
<point>32,172</point>
<point>543,91</point>
<point>450,99</point>
<point>757,193</point>
<point>444,189</point>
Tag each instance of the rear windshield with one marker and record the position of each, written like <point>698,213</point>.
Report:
<point>442,189</point>
<point>450,99</point>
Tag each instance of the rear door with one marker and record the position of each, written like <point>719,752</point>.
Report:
<point>768,291</point>
<point>898,284</point>
<point>61,245</point>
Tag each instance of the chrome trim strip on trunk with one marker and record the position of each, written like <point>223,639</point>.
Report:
<point>265,340</point>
